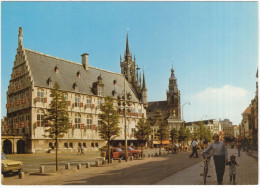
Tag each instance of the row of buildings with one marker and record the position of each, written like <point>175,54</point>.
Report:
<point>28,98</point>
<point>249,123</point>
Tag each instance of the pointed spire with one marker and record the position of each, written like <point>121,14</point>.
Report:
<point>127,51</point>
<point>140,81</point>
<point>144,86</point>
<point>20,38</point>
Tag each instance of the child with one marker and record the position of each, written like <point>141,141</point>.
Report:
<point>232,168</point>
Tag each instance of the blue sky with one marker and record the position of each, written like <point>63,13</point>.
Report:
<point>212,46</point>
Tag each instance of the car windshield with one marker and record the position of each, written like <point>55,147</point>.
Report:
<point>130,148</point>
<point>3,156</point>
<point>119,149</point>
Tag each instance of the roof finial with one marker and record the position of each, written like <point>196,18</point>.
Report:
<point>20,38</point>
<point>127,51</point>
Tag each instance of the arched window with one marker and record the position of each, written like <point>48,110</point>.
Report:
<point>77,121</point>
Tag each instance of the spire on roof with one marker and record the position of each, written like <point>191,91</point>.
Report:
<point>127,51</point>
<point>144,86</point>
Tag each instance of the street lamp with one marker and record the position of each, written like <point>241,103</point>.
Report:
<point>182,109</point>
<point>126,149</point>
<point>203,116</point>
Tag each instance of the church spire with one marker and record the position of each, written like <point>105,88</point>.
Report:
<point>127,51</point>
<point>20,38</point>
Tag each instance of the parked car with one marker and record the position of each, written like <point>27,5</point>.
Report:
<point>116,153</point>
<point>10,166</point>
<point>132,151</point>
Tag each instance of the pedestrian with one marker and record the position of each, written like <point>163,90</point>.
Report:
<point>194,149</point>
<point>82,150</point>
<point>220,156</point>
<point>238,145</point>
<point>79,150</point>
<point>232,168</point>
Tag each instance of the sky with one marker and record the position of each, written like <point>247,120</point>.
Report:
<point>212,46</point>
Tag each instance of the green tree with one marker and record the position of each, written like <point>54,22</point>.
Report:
<point>57,118</point>
<point>182,134</point>
<point>162,132</point>
<point>143,131</point>
<point>195,134</point>
<point>188,135</point>
<point>174,135</point>
<point>110,120</point>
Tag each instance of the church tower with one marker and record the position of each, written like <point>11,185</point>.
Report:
<point>173,98</point>
<point>128,66</point>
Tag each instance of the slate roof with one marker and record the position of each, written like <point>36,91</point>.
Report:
<point>157,105</point>
<point>248,110</point>
<point>42,67</point>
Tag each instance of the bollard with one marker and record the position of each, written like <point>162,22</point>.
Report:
<point>111,160</point>
<point>87,165</point>
<point>21,175</point>
<point>131,158</point>
<point>67,166</point>
<point>79,166</point>
<point>41,169</point>
<point>97,163</point>
<point>120,160</point>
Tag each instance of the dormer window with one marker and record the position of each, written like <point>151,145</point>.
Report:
<point>100,91</point>
<point>75,86</point>
<point>78,74</point>
<point>56,69</point>
<point>49,81</point>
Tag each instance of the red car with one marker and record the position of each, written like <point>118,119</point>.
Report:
<point>132,151</point>
<point>117,153</point>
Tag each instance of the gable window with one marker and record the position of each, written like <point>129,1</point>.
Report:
<point>39,96</point>
<point>100,93</point>
<point>77,101</point>
<point>77,121</point>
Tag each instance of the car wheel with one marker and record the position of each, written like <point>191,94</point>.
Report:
<point>122,157</point>
<point>135,155</point>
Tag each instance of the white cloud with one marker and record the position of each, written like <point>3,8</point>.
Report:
<point>225,102</point>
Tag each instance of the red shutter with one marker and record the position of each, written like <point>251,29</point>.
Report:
<point>36,99</point>
<point>27,123</point>
<point>82,126</point>
<point>94,127</point>
<point>92,106</point>
<point>12,104</point>
<point>142,114</point>
<point>45,100</point>
<point>36,124</point>
<point>68,103</point>
<point>81,104</point>
<point>70,125</point>
<point>13,75</point>
<point>23,100</point>
<point>17,103</point>
<point>22,124</point>
<point>7,105</point>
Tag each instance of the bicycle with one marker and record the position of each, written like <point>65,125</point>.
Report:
<point>206,160</point>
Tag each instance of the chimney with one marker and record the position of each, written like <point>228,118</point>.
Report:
<point>85,60</point>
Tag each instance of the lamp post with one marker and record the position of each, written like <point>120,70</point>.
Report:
<point>203,116</point>
<point>182,111</point>
<point>126,149</point>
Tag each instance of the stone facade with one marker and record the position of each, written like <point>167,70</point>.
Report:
<point>85,87</point>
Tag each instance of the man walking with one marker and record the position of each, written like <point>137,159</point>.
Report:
<point>194,149</point>
<point>220,156</point>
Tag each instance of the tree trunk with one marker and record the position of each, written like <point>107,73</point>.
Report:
<point>56,142</point>
<point>109,152</point>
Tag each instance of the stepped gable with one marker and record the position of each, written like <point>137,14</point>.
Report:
<point>42,67</point>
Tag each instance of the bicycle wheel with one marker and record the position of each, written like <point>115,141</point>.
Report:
<point>205,173</point>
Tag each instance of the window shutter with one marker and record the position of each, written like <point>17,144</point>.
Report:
<point>68,103</point>
<point>45,100</point>
<point>82,126</point>
<point>93,106</point>
<point>81,104</point>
